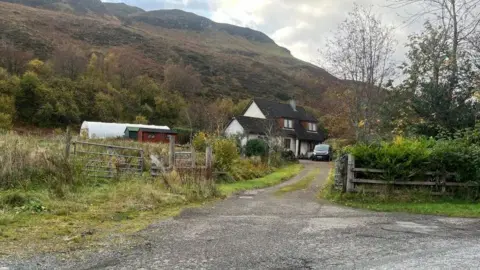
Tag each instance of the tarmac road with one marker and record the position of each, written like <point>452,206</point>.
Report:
<point>258,230</point>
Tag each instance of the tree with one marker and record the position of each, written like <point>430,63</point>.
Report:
<point>181,78</point>
<point>459,19</point>
<point>69,61</point>
<point>427,94</point>
<point>361,52</point>
<point>12,59</point>
<point>168,108</point>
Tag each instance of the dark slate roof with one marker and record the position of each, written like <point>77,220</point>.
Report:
<point>153,130</point>
<point>273,109</point>
<point>253,125</point>
<point>305,135</point>
<point>258,126</point>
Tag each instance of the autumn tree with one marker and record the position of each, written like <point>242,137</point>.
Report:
<point>181,78</point>
<point>13,59</point>
<point>69,61</point>
<point>427,90</point>
<point>360,52</point>
<point>458,20</point>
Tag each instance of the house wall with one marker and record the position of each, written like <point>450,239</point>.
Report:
<point>304,148</point>
<point>234,129</point>
<point>293,144</point>
<point>254,111</point>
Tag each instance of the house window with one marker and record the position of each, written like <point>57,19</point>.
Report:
<point>287,123</point>
<point>151,136</point>
<point>312,127</point>
<point>287,143</point>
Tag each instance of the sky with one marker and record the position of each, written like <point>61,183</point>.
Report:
<point>302,26</point>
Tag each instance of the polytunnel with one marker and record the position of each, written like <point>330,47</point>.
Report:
<point>101,130</point>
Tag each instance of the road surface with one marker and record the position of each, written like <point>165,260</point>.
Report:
<point>258,230</point>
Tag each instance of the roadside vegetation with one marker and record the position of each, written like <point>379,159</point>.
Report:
<point>409,160</point>
<point>415,202</point>
<point>48,203</point>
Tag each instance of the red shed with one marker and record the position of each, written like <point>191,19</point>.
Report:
<point>155,135</point>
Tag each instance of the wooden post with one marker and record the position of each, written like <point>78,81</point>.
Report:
<point>141,162</point>
<point>194,163</point>
<point>68,141</point>
<point>171,151</point>
<point>350,173</point>
<point>110,162</point>
<point>208,161</point>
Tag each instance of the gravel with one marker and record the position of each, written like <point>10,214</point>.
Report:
<point>257,230</point>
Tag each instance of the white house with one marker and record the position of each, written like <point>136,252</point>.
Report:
<point>296,128</point>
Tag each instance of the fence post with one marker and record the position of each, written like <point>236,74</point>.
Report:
<point>68,141</point>
<point>350,173</point>
<point>171,151</point>
<point>141,162</point>
<point>194,163</point>
<point>208,161</point>
<point>110,162</point>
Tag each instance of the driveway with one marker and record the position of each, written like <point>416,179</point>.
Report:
<point>258,230</point>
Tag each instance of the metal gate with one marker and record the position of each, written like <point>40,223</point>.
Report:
<point>108,161</point>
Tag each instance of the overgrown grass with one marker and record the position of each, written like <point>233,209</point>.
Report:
<point>37,220</point>
<point>416,202</point>
<point>266,181</point>
<point>299,185</point>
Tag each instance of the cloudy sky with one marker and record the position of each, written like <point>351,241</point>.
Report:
<point>299,25</point>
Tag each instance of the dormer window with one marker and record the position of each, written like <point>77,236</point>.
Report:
<point>312,127</point>
<point>288,123</point>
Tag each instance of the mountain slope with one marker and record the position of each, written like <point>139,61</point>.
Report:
<point>121,10</point>
<point>233,61</point>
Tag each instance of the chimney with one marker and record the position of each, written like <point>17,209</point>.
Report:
<point>293,104</point>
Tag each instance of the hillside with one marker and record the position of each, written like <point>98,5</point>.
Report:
<point>233,61</point>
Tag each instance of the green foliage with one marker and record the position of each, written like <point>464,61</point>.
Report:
<point>256,147</point>
<point>200,142</point>
<point>140,119</point>
<point>408,159</point>
<point>226,152</point>
<point>5,121</point>
<point>247,169</point>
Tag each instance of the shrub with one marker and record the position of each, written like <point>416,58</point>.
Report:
<point>288,156</point>
<point>256,147</point>
<point>200,142</point>
<point>226,153</point>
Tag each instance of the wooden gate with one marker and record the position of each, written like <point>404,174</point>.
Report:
<point>108,161</point>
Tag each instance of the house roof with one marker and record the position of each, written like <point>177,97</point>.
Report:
<point>273,109</point>
<point>258,126</point>
<point>253,125</point>
<point>156,130</point>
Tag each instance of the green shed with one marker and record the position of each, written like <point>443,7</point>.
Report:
<point>132,133</point>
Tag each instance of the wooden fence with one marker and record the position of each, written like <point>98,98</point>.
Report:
<point>184,162</point>
<point>439,179</point>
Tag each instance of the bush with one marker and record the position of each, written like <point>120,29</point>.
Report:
<point>256,147</point>
<point>288,156</point>
<point>408,159</point>
<point>226,153</point>
<point>200,142</point>
<point>247,169</point>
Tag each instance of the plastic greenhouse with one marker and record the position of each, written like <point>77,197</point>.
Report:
<point>102,130</point>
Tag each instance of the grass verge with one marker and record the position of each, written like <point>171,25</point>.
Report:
<point>90,217</point>
<point>414,202</point>
<point>266,181</point>
<point>299,185</point>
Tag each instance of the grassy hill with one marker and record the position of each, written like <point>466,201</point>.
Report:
<point>233,61</point>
